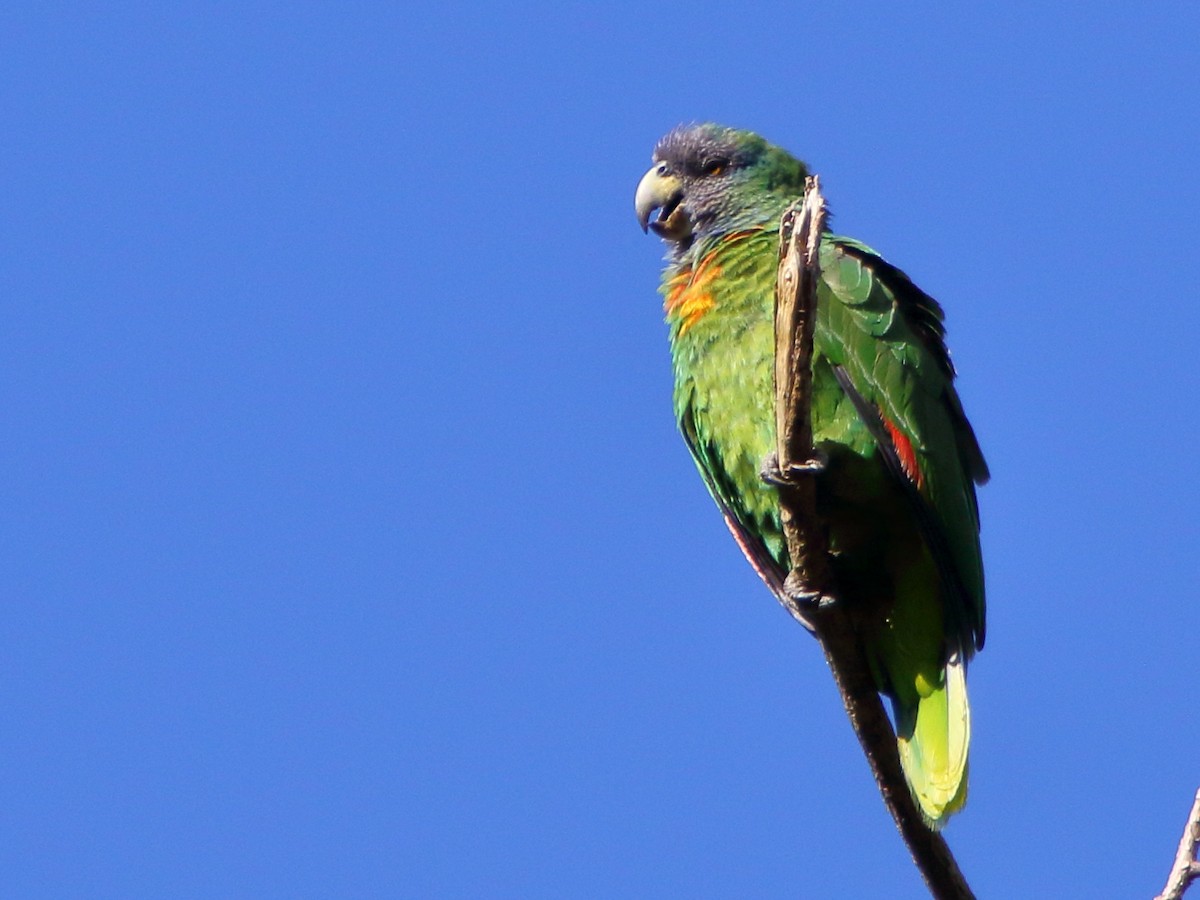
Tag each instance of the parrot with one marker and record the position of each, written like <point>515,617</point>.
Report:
<point>898,460</point>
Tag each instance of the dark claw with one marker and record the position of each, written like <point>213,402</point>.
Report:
<point>769,471</point>
<point>799,593</point>
<point>771,474</point>
<point>814,466</point>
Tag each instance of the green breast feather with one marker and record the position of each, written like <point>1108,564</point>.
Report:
<point>897,495</point>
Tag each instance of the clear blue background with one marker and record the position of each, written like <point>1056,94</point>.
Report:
<point>347,544</point>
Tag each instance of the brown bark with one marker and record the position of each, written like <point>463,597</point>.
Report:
<point>810,593</point>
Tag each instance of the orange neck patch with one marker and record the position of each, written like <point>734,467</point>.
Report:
<point>689,294</point>
<point>689,291</point>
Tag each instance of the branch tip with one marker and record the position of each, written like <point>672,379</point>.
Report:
<point>1186,868</point>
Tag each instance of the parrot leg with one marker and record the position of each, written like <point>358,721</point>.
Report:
<point>798,591</point>
<point>771,474</point>
<point>796,587</point>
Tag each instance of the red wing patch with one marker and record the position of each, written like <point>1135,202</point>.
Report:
<point>904,451</point>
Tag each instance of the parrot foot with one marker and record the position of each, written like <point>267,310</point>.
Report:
<point>771,473</point>
<point>799,593</point>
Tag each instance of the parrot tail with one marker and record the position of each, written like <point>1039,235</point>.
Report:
<point>933,738</point>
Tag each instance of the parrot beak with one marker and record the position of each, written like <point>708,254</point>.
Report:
<point>659,190</point>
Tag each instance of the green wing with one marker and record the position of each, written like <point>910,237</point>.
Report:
<point>885,338</point>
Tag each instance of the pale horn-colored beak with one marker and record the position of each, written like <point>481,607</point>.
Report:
<point>657,190</point>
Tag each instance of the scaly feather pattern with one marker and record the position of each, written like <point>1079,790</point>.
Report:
<point>898,492</point>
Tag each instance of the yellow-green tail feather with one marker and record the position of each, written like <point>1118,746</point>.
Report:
<point>933,745</point>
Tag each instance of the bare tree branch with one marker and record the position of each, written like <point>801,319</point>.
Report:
<point>810,593</point>
<point>1186,868</point>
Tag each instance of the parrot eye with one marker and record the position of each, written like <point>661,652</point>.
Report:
<point>715,167</point>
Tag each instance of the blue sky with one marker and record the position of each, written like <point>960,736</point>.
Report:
<point>349,548</point>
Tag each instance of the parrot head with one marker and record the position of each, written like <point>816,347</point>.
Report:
<point>708,180</point>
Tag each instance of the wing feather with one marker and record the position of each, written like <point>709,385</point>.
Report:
<point>886,340</point>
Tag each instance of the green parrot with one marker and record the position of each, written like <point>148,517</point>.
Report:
<point>896,487</point>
